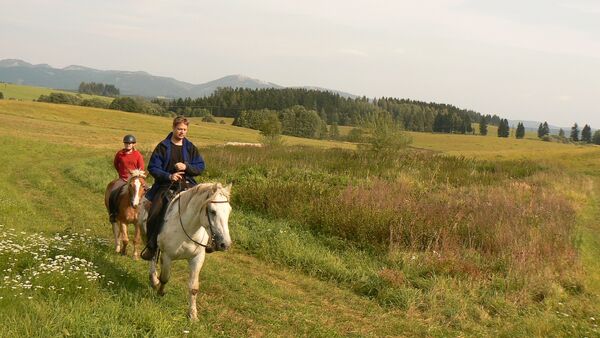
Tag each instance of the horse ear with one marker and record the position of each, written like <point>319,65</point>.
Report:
<point>228,188</point>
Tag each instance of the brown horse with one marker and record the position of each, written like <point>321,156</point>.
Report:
<point>130,196</point>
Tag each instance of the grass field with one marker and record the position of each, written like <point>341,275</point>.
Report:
<point>30,93</point>
<point>284,277</point>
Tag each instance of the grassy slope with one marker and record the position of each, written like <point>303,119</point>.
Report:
<point>240,294</point>
<point>29,93</point>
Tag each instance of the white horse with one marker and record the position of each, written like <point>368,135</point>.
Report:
<point>195,219</point>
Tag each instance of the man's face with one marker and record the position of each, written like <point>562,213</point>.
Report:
<point>180,130</point>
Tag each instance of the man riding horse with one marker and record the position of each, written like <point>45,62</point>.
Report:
<point>173,164</point>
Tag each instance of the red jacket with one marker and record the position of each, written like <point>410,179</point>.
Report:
<point>124,162</point>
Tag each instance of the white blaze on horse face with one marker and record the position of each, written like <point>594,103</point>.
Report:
<point>222,219</point>
<point>136,195</point>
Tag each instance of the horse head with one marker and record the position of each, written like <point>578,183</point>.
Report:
<point>217,213</point>
<point>136,185</point>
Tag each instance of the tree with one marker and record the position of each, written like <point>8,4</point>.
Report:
<point>1,96</point>
<point>546,129</point>
<point>575,133</point>
<point>94,88</point>
<point>271,130</point>
<point>483,126</point>
<point>125,104</point>
<point>299,121</point>
<point>387,137</point>
<point>520,133</point>
<point>561,133</point>
<point>586,134</point>
<point>596,137</point>
<point>503,128</point>
<point>543,129</point>
<point>540,132</point>
<point>334,131</point>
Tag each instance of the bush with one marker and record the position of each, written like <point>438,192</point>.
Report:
<point>137,104</point>
<point>355,135</point>
<point>209,118</point>
<point>96,103</point>
<point>125,104</point>
<point>61,98</point>
<point>1,96</point>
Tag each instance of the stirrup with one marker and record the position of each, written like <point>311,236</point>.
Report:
<point>148,254</point>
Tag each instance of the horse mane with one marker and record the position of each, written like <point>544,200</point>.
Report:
<point>211,189</point>
<point>136,173</point>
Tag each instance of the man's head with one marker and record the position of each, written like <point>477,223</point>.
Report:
<point>180,127</point>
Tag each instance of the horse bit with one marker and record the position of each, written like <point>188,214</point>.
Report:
<point>210,225</point>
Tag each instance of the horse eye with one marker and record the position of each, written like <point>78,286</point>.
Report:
<point>213,212</point>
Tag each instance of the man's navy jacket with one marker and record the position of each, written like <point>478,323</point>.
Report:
<point>160,160</point>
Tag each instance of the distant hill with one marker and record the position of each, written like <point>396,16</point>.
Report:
<point>130,83</point>
<point>534,125</point>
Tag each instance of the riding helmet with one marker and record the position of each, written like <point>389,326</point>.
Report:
<point>129,139</point>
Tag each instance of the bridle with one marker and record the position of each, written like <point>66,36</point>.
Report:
<point>210,224</point>
<point>129,187</point>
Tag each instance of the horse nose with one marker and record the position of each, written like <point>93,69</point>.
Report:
<point>223,246</point>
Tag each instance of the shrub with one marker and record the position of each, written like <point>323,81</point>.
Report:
<point>209,118</point>
<point>61,98</point>
<point>95,102</point>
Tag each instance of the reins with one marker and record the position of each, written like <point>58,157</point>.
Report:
<point>210,224</point>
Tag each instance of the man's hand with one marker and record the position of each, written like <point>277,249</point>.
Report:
<point>180,166</point>
<point>176,176</point>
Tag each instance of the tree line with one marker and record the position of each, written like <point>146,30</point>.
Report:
<point>331,108</point>
<point>101,89</point>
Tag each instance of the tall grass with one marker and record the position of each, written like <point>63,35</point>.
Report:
<point>483,217</point>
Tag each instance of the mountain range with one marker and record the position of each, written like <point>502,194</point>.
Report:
<point>129,83</point>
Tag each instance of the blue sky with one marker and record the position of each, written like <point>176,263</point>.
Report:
<point>530,60</point>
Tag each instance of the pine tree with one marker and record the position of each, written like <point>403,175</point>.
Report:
<point>561,133</point>
<point>575,133</point>
<point>540,131</point>
<point>520,133</point>
<point>586,134</point>
<point>546,129</point>
<point>596,137</point>
<point>483,126</point>
<point>503,128</point>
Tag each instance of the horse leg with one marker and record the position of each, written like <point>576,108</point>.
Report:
<point>154,282</point>
<point>116,233</point>
<point>124,238</point>
<point>165,273</point>
<point>136,240</point>
<point>195,264</point>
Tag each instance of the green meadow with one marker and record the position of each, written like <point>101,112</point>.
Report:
<point>29,93</point>
<point>456,236</point>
